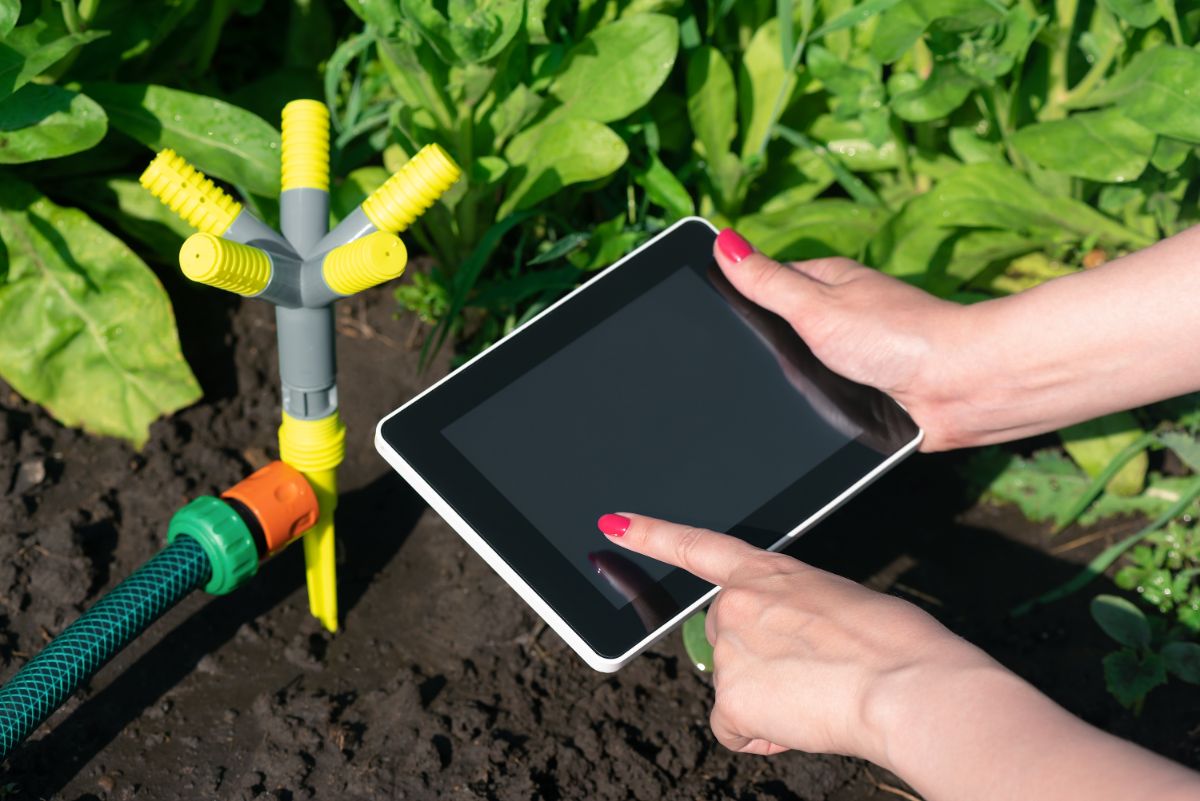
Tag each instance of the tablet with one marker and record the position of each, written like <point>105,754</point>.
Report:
<point>653,388</point>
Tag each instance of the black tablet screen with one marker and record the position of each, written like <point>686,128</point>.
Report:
<point>674,407</point>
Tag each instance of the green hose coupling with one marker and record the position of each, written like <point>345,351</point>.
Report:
<point>225,538</point>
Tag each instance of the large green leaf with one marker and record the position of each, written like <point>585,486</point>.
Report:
<point>901,26</point>
<point>9,11</point>
<point>42,121</point>
<point>472,30</point>
<point>1158,90</point>
<point>1121,620</point>
<point>126,204</point>
<point>1097,145</point>
<point>763,83</point>
<point>1138,13</point>
<point>711,101</point>
<point>28,50</point>
<point>88,331</point>
<point>821,228</point>
<point>617,68</point>
<point>218,138</point>
<point>1095,443</point>
<point>934,98</point>
<point>547,157</point>
<point>664,189</point>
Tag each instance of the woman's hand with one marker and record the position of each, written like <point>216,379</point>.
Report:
<point>807,660</point>
<point>803,659</point>
<point>864,325</point>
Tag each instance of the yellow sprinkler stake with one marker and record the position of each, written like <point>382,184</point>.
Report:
<point>305,146</point>
<point>316,448</point>
<point>208,259</point>
<point>187,192</point>
<point>365,262</point>
<point>413,189</point>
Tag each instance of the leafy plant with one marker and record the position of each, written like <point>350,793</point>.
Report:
<point>88,330</point>
<point>1150,650</point>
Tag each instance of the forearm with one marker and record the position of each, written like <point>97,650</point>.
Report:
<point>986,735</point>
<point>1115,337</point>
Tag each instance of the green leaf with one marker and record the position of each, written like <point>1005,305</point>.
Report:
<point>88,331</point>
<point>617,68</point>
<point>695,642</point>
<point>1138,13</point>
<point>549,156</point>
<point>357,187</point>
<point>1095,443</point>
<point>763,82</point>
<point>1158,89</point>
<point>220,139</point>
<point>1121,620</point>
<point>1097,145</point>
<point>474,30</point>
<point>42,121</point>
<point>858,14</point>
<point>30,49</point>
<point>941,93</point>
<point>664,189</point>
<point>9,11</point>
<point>1129,676</point>
<point>1169,154</point>
<point>901,26</point>
<point>711,101</point>
<point>1182,660</point>
<point>125,203</point>
<point>1185,447</point>
<point>830,227</point>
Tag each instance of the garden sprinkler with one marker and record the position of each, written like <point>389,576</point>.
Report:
<point>218,543</point>
<point>302,273</point>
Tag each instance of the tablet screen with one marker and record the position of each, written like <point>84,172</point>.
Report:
<point>652,412</point>
<point>655,389</point>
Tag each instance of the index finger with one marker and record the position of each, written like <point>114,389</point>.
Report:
<point>705,554</point>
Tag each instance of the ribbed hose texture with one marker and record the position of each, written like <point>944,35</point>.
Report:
<point>86,645</point>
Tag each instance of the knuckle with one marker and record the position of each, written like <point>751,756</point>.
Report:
<point>686,544</point>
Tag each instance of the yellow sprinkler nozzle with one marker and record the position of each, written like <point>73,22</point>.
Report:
<point>305,146</point>
<point>316,448</point>
<point>208,259</point>
<point>189,193</point>
<point>365,262</point>
<point>412,190</point>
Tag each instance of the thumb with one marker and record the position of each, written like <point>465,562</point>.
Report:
<point>762,280</point>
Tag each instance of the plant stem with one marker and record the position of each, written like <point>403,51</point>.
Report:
<point>1167,7</point>
<point>1103,477</point>
<point>71,16</point>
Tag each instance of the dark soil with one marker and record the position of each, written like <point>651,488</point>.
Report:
<point>441,683</point>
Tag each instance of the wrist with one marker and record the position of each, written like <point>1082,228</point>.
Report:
<point>919,702</point>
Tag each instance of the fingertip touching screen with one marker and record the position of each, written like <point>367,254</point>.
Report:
<point>657,390</point>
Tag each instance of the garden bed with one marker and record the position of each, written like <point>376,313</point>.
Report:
<point>441,683</point>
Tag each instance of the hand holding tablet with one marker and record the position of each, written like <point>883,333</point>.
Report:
<point>657,387</point>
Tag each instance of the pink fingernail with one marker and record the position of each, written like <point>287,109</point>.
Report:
<point>733,245</point>
<point>613,525</point>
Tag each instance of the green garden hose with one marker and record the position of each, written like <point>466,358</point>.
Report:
<point>87,644</point>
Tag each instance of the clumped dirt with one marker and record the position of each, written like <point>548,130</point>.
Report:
<point>441,683</point>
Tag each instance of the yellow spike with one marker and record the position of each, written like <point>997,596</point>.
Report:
<point>305,146</point>
<point>365,262</point>
<point>208,259</point>
<point>316,448</point>
<point>189,193</point>
<point>413,189</point>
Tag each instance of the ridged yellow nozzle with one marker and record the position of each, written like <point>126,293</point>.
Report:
<point>316,448</point>
<point>218,262</point>
<point>305,146</point>
<point>406,195</point>
<point>365,262</point>
<point>189,193</point>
